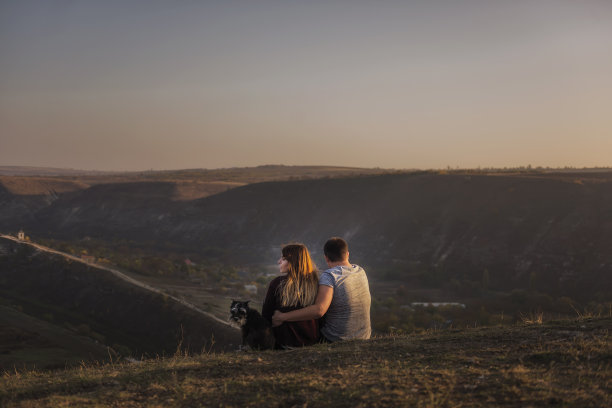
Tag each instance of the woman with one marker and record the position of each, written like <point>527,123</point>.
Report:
<point>294,289</point>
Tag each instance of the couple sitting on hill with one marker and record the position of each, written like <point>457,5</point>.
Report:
<point>305,308</point>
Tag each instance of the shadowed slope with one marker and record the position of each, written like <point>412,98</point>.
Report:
<point>547,231</point>
<point>129,318</point>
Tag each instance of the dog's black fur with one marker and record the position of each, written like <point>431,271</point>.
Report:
<point>256,331</point>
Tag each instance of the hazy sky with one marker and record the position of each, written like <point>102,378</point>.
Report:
<point>132,85</point>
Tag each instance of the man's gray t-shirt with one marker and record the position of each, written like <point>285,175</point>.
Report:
<point>348,316</point>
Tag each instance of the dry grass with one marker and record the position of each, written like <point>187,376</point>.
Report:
<point>557,363</point>
<point>40,185</point>
<point>190,184</point>
<point>192,190</point>
<point>532,318</point>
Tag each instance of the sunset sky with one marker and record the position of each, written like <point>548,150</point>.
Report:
<point>134,85</point>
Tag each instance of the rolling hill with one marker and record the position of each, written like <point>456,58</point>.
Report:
<point>550,232</point>
<point>52,306</point>
<point>503,243</point>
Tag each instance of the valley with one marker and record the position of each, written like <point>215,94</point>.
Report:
<point>509,246</point>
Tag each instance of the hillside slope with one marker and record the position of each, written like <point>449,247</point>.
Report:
<point>28,342</point>
<point>546,232</point>
<point>560,363</point>
<point>95,303</point>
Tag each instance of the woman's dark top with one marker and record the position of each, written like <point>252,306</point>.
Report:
<point>292,334</point>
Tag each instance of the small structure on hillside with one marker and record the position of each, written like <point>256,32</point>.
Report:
<point>21,235</point>
<point>251,289</point>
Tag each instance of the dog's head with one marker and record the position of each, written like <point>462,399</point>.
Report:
<point>238,311</point>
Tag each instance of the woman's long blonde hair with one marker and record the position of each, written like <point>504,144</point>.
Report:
<point>300,288</point>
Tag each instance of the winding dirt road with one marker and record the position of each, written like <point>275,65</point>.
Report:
<point>120,275</point>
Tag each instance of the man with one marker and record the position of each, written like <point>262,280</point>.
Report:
<point>343,298</point>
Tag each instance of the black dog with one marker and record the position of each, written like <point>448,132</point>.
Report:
<point>256,331</point>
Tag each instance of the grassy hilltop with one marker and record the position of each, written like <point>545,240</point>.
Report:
<point>559,363</point>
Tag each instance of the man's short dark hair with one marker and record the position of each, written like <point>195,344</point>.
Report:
<point>335,249</point>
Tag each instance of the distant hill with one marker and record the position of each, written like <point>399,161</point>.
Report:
<point>59,299</point>
<point>559,363</point>
<point>232,174</point>
<point>46,171</point>
<point>550,232</point>
<point>189,184</point>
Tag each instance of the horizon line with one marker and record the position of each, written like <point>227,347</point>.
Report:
<point>446,168</point>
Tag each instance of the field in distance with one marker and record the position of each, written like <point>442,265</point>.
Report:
<point>190,183</point>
